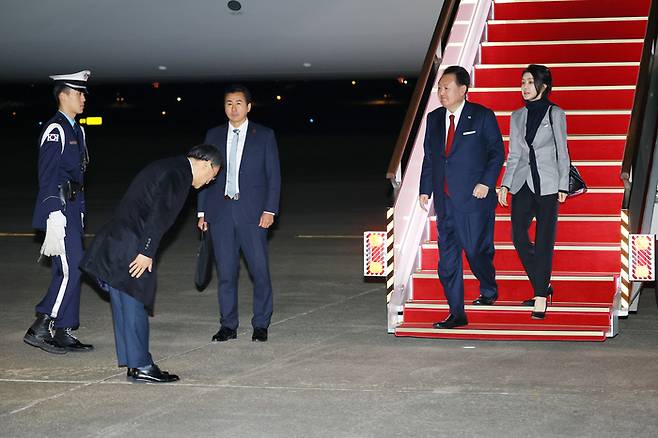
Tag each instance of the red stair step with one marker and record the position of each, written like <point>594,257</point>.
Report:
<point>601,229</point>
<point>515,287</point>
<point>541,52</point>
<point>566,29</point>
<point>502,332</point>
<point>583,122</point>
<point>565,75</point>
<point>567,257</point>
<point>602,148</point>
<point>618,97</point>
<point>520,10</point>
<point>430,312</point>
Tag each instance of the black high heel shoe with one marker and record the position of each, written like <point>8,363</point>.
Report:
<point>539,311</point>
<point>531,301</point>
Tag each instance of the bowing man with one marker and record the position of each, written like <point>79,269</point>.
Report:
<point>121,257</point>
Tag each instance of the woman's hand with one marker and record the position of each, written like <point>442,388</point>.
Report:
<point>139,265</point>
<point>561,196</point>
<point>502,196</point>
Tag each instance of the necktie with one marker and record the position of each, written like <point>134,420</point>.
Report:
<point>449,140</point>
<point>231,177</point>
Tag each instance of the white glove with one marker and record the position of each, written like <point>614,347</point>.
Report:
<point>53,244</point>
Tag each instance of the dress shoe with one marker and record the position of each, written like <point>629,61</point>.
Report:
<point>485,301</point>
<point>260,334</point>
<point>224,334</point>
<point>40,335</point>
<point>64,338</point>
<point>451,321</point>
<point>151,374</point>
<point>549,295</point>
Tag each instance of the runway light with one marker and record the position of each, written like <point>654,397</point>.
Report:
<point>278,97</point>
<point>178,99</point>
<point>94,121</point>
<point>164,113</point>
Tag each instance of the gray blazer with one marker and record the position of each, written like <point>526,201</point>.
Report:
<point>553,173</point>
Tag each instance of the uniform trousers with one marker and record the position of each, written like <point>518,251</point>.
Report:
<point>537,256</point>
<point>62,300</point>
<point>131,329</point>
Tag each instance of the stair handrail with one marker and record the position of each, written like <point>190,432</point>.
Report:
<point>635,148</point>
<point>422,90</point>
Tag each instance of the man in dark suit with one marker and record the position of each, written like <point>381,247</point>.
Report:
<point>239,209</point>
<point>121,256</point>
<point>463,157</point>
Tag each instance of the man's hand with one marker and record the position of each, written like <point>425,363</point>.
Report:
<point>502,196</point>
<point>480,191</point>
<point>139,265</point>
<point>561,197</point>
<point>266,220</point>
<point>423,200</point>
<point>202,224</point>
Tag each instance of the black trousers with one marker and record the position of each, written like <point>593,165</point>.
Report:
<point>537,257</point>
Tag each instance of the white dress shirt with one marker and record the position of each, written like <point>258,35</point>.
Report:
<point>229,140</point>
<point>457,115</point>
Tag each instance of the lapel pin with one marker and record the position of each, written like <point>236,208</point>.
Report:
<point>468,117</point>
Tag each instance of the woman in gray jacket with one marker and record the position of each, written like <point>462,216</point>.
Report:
<point>537,175</point>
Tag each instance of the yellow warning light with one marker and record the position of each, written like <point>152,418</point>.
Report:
<point>376,268</point>
<point>375,240</point>
<point>94,121</point>
<point>642,271</point>
<point>642,243</point>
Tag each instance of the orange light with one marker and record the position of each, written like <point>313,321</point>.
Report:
<point>375,240</point>
<point>376,268</point>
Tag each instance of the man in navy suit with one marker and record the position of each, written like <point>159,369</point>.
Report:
<point>463,156</point>
<point>239,209</point>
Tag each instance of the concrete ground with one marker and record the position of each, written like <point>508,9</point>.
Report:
<point>329,368</point>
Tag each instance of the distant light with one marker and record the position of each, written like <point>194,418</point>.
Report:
<point>164,113</point>
<point>40,123</point>
<point>162,67</point>
<point>234,5</point>
<point>94,121</point>
<point>155,84</point>
<point>278,97</point>
<point>13,113</point>
<point>405,82</point>
<point>311,120</point>
<point>307,65</point>
<point>82,121</point>
<point>468,347</point>
<point>353,82</point>
<point>178,99</point>
<point>401,80</point>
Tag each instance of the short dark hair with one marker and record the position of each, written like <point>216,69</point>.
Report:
<point>58,89</point>
<point>541,75</point>
<point>238,88</point>
<point>461,75</point>
<point>206,152</point>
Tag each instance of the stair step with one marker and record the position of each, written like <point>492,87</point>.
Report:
<point>561,51</point>
<point>556,315</point>
<point>595,173</point>
<point>609,97</point>
<point>502,332</point>
<point>582,147</point>
<point>514,286</point>
<point>565,75</point>
<point>590,122</point>
<point>570,228</point>
<point>567,29</point>
<point>567,257</point>
<point>526,10</point>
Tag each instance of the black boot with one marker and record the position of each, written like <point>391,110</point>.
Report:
<point>64,338</point>
<point>40,335</point>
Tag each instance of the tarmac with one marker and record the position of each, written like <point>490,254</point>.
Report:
<point>329,369</point>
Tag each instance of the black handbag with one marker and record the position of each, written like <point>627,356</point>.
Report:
<point>204,262</point>
<point>577,184</point>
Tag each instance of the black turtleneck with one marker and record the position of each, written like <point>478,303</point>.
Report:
<point>536,112</point>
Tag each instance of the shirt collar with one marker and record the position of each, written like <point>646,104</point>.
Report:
<point>71,121</point>
<point>458,112</point>
<point>242,127</point>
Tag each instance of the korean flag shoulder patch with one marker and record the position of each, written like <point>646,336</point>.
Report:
<point>52,137</point>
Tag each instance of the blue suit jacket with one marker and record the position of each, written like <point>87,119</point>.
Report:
<point>476,157</point>
<point>259,177</point>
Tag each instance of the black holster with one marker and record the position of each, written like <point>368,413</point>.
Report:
<point>69,190</point>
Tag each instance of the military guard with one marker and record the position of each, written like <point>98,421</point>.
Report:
<point>59,211</point>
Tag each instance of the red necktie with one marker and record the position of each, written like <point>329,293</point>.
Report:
<point>449,140</point>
